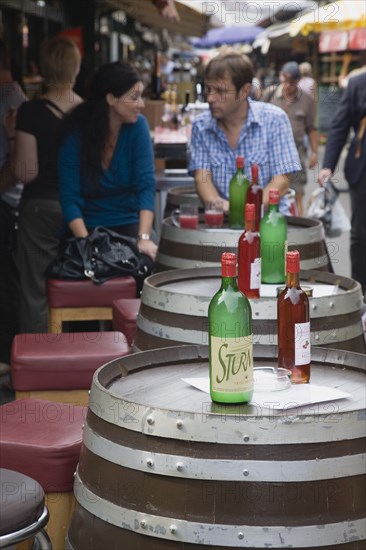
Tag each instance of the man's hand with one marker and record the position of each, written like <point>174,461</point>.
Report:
<point>324,174</point>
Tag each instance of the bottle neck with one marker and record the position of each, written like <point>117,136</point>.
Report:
<point>292,280</point>
<point>228,282</point>
<point>250,225</point>
<point>273,207</point>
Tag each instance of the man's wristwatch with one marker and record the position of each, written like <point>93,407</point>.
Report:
<point>143,237</point>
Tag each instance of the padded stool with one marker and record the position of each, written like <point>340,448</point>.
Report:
<point>60,367</point>
<point>23,512</point>
<point>84,300</point>
<point>42,440</point>
<point>124,317</point>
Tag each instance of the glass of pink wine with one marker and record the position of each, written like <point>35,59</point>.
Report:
<point>214,214</point>
<point>186,217</point>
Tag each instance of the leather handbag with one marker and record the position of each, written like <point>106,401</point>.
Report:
<point>100,256</point>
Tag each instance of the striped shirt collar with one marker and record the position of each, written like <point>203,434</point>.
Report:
<point>252,118</point>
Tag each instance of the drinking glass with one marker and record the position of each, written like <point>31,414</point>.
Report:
<point>186,216</point>
<point>214,214</point>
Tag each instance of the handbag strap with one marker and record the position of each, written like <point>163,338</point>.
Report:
<point>84,248</point>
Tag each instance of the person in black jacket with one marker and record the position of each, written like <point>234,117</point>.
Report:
<point>351,113</point>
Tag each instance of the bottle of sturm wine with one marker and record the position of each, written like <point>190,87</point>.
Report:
<point>230,339</point>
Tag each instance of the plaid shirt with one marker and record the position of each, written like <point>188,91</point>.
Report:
<point>265,139</point>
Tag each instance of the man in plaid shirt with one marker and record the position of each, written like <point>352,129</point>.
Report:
<point>239,126</point>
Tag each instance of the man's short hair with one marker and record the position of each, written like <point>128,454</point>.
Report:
<point>234,65</point>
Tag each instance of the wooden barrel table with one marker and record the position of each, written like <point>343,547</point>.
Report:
<point>202,247</point>
<point>174,307</point>
<point>162,467</point>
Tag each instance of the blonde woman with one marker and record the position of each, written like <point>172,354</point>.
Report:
<point>34,162</point>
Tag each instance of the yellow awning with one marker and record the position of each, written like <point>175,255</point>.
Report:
<point>343,15</point>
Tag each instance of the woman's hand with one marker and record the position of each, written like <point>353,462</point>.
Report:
<point>147,247</point>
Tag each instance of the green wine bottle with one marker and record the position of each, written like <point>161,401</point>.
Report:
<point>238,188</point>
<point>273,235</point>
<point>230,339</point>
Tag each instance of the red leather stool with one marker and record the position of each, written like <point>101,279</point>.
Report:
<point>84,300</point>
<point>42,440</point>
<point>60,367</point>
<point>124,316</point>
<point>23,513</point>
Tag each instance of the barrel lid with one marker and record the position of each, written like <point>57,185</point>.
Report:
<point>144,392</point>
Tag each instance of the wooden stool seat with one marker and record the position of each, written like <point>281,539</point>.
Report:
<point>85,300</point>
<point>124,317</point>
<point>42,440</point>
<point>60,367</point>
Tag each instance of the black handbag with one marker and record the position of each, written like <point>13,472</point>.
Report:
<point>100,256</point>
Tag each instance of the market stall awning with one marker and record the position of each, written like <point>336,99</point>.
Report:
<point>192,22</point>
<point>341,16</point>
<point>278,33</point>
<point>340,41</point>
<point>229,35</point>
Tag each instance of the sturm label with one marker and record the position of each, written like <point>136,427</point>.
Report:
<point>232,364</point>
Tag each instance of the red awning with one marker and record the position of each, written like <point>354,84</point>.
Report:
<point>333,41</point>
<point>357,39</point>
<point>339,41</point>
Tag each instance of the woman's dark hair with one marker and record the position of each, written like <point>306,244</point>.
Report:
<point>235,65</point>
<point>90,119</point>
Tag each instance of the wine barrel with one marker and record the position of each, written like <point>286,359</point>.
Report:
<point>174,307</point>
<point>162,467</point>
<point>202,247</point>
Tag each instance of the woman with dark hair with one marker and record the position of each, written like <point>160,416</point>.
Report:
<point>106,161</point>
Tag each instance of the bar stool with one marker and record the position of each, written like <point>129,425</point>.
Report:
<point>42,440</point>
<point>23,513</point>
<point>60,367</point>
<point>84,300</point>
<point>124,317</point>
